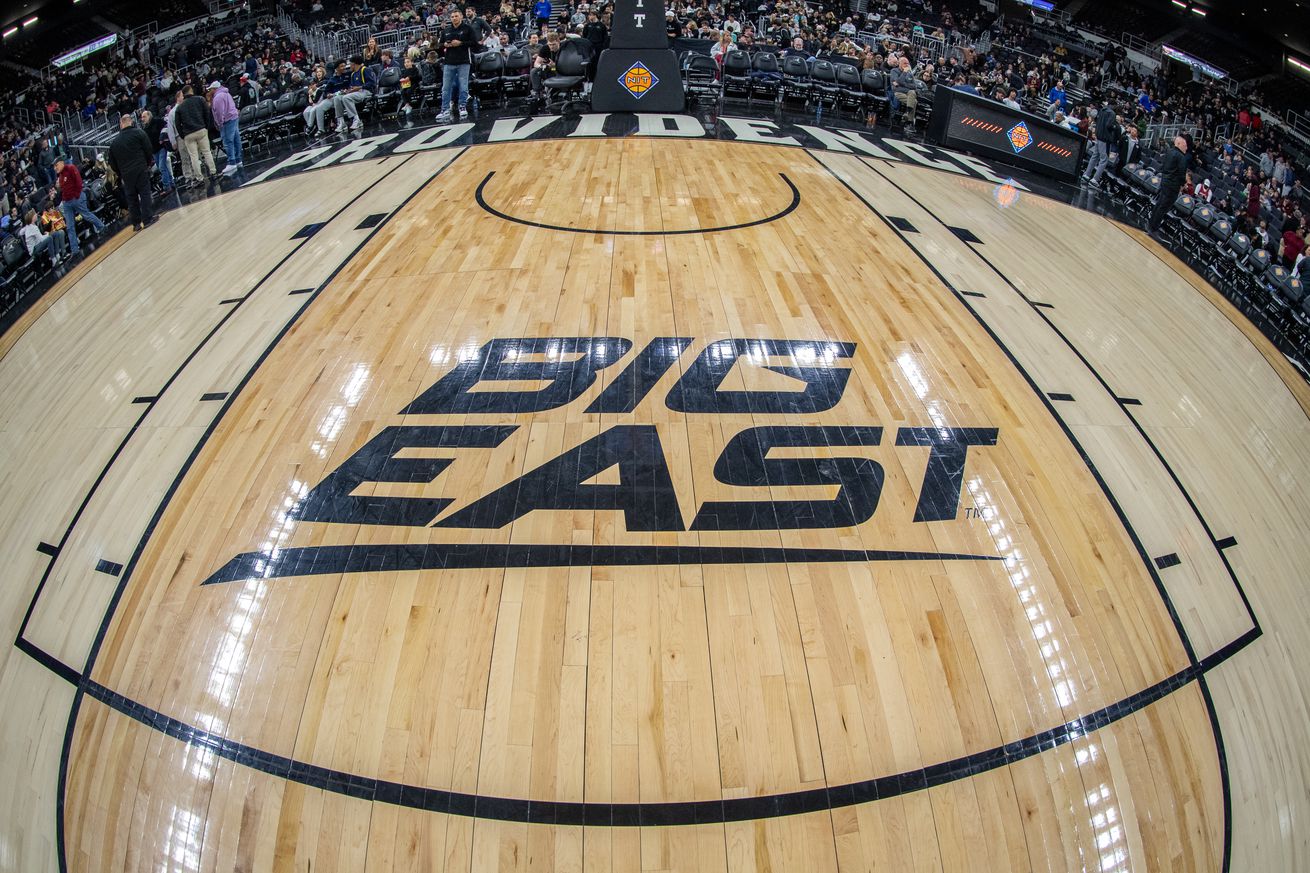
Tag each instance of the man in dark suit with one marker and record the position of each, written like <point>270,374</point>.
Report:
<point>131,156</point>
<point>1172,176</point>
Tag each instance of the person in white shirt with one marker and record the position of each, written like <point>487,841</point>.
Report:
<point>38,242</point>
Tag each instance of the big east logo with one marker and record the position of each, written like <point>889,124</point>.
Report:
<point>643,490</point>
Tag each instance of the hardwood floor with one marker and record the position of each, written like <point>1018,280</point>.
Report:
<point>573,505</point>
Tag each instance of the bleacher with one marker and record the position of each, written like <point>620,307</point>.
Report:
<point>1238,60</point>
<point>1116,16</point>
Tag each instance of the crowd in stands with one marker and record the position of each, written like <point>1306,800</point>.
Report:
<point>917,44</point>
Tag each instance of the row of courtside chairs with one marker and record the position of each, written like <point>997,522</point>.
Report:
<point>1208,239</point>
<point>793,79</point>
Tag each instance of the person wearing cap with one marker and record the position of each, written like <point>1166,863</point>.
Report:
<point>359,87</point>
<point>131,157</point>
<point>1172,175</point>
<point>1204,191</point>
<point>226,117</point>
<point>72,202</point>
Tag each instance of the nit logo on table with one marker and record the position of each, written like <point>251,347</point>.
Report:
<point>643,491</point>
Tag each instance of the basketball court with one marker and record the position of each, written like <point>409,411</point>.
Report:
<point>649,504</point>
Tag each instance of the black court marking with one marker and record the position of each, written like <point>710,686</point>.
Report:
<point>300,291</point>
<point>371,221</point>
<point>388,557</point>
<point>213,395</point>
<point>1041,305</point>
<point>232,300</point>
<point>49,661</point>
<point>145,398</point>
<point>965,234</point>
<point>1225,543</point>
<point>973,294</point>
<point>605,814</point>
<point>1164,562</point>
<point>1067,398</point>
<point>1211,660</point>
<point>1129,401</point>
<point>65,752</point>
<point>46,549</point>
<point>600,814</point>
<point>309,230</point>
<point>103,566</point>
<point>902,224</point>
<point>791,207</point>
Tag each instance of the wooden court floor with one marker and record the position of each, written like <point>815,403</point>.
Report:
<point>649,505</point>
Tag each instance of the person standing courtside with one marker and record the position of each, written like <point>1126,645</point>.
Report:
<point>456,41</point>
<point>72,202</point>
<point>1106,148</point>
<point>1172,176</point>
<point>130,156</point>
<point>225,113</point>
<point>155,129</point>
<point>193,120</point>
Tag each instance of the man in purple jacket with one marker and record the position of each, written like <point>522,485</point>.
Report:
<point>225,116</point>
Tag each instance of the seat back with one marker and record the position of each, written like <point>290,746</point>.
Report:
<point>263,110</point>
<point>1259,260</point>
<point>824,73</point>
<point>245,115</point>
<point>518,62</point>
<point>848,77</point>
<point>1240,243</point>
<point>875,82</point>
<point>572,61</point>
<point>764,62</point>
<point>490,64</point>
<point>1186,204</point>
<point>795,68</point>
<point>1222,228</point>
<point>701,66</point>
<point>14,251</point>
<point>389,80</point>
<point>736,64</point>
<point>284,103</point>
<point>1203,217</point>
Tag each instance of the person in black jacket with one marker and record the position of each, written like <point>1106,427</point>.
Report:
<point>1107,142</point>
<point>193,121</point>
<point>1172,176</point>
<point>130,156</point>
<point>154,128</point>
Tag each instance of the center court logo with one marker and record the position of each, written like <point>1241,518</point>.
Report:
<point>638,79</point>
<point>623,468</point>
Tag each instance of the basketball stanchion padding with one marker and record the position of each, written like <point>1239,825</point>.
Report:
<point>638,72</point>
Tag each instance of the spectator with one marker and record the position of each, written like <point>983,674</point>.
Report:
<point>37,243</point>
<point>541,13</point>
<point>360,86</point>
<point>158,136</point>
<point>1172,175</point>
<point>193,120</point>
<point>131,156</point>
<point>456,41</point>
<point>225,114</point>
<point>72,202</point>
<point>1105,147</point>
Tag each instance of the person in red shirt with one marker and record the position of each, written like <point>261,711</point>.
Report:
<point>72,202</point>
<point>1293,245</point>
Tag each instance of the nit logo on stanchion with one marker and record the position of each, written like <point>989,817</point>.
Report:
<point>638,79</point>
<point>1020,137</point>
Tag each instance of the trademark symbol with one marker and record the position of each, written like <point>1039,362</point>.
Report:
<point>973,512</point>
